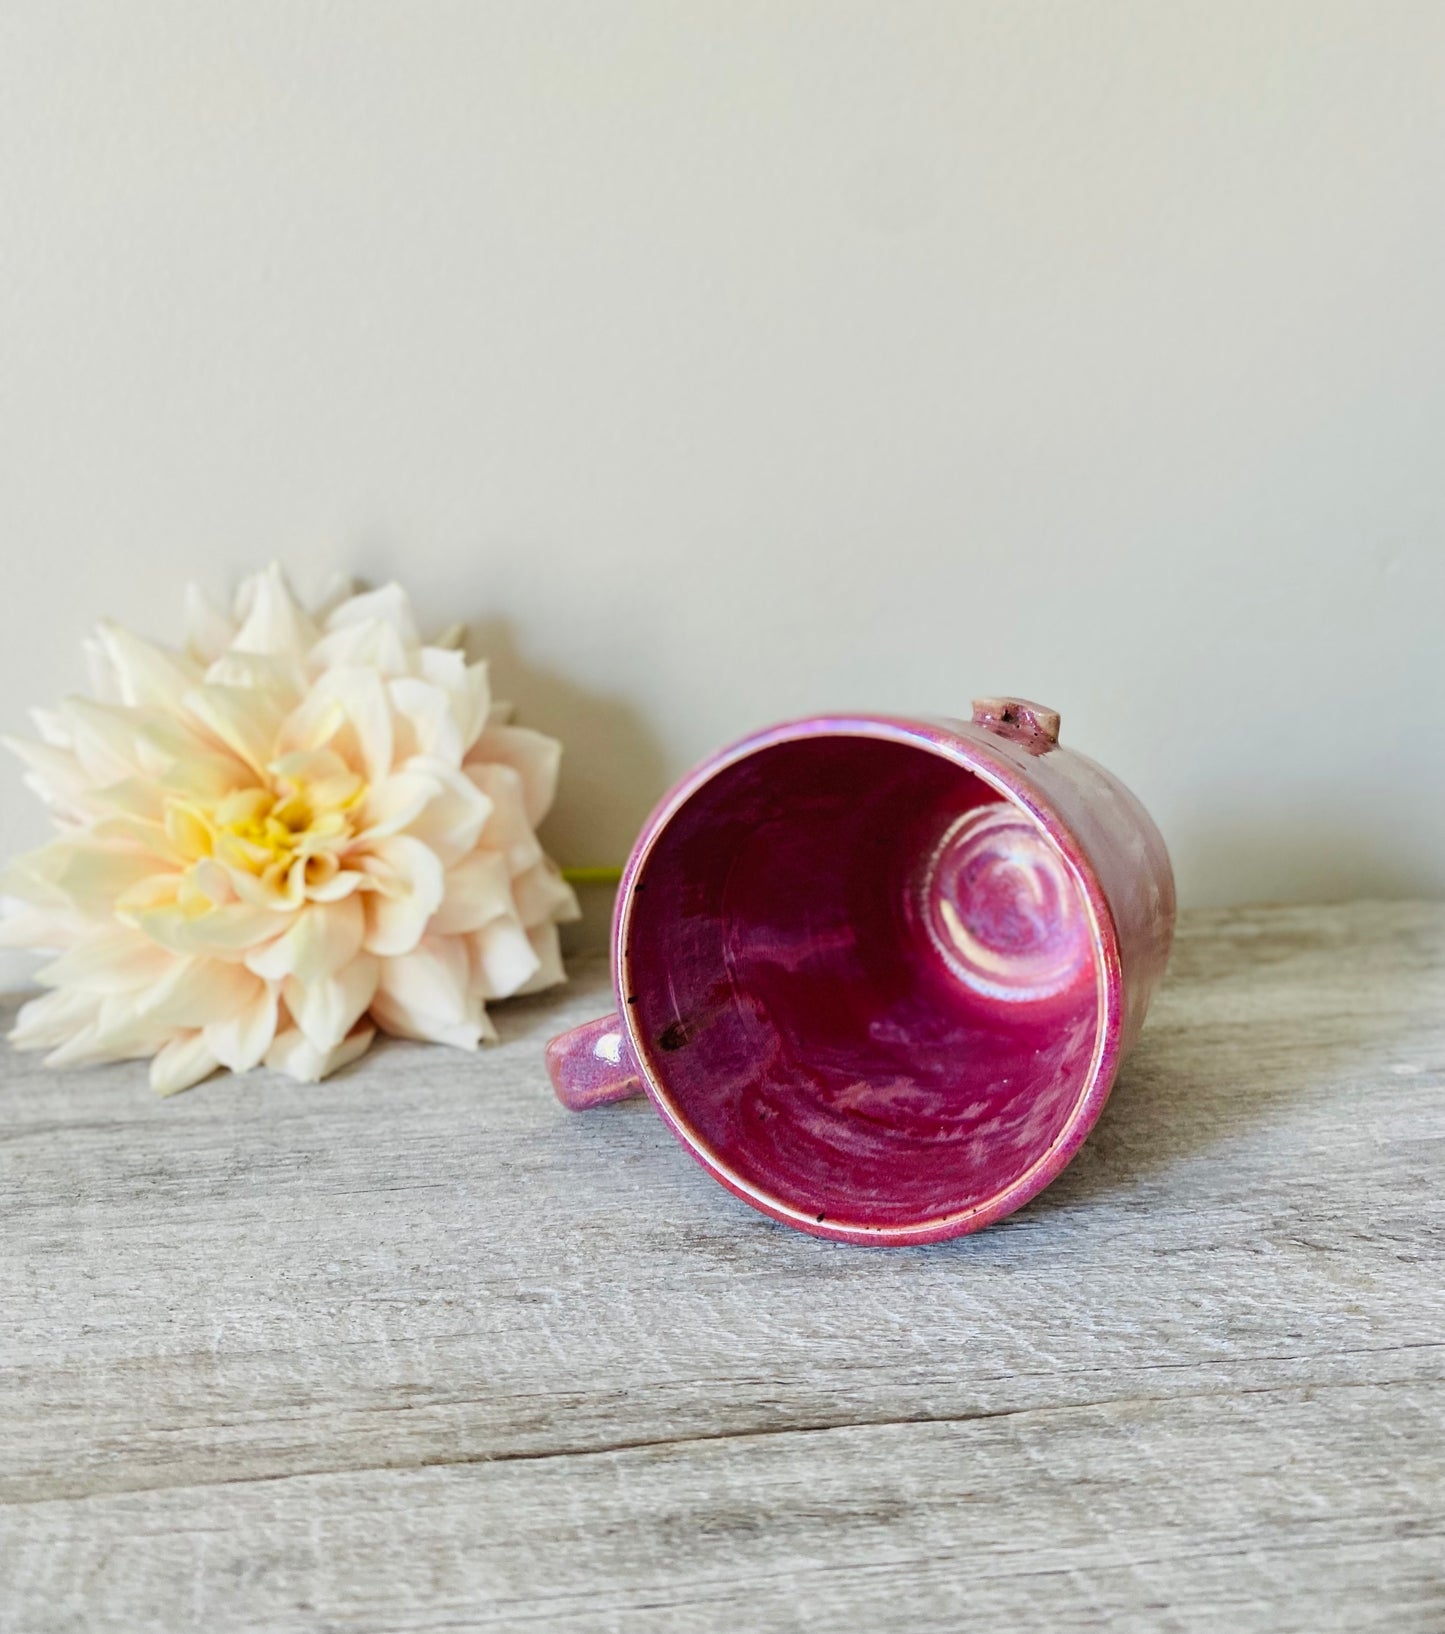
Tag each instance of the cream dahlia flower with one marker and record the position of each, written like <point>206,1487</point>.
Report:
<point>300,829</point>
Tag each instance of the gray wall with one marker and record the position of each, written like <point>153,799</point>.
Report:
<point>728,361</point>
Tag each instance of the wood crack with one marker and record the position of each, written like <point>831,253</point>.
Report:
<point>722,1437</point>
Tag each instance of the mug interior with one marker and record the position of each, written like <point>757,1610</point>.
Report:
<point>865,981</point>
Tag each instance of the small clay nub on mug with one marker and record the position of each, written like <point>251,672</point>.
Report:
<point>1018,718</point>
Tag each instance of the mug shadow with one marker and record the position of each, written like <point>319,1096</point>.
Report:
<point>1190,1085</point>
<point>1215,1064</point>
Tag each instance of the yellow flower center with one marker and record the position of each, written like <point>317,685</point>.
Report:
<point>285,835</point>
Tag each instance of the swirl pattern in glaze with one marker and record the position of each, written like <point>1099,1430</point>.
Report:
<point>1003,909</point>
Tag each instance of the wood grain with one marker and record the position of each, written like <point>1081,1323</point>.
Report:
<point>415,1349</point>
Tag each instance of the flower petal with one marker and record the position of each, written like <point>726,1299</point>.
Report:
<point>55,774</point>
<point>182,1063</point>
<point>542,895</point>
<point>281,674</point>
<point>50,727</point>
<point>146,675</point>
<point>208,632</point>
<point>43,1023</point>
<point>139,841</point>
<point>275,622</point>
<point>395,803</point>
<point>390,604</point>
<point>245,720</point>
<point>224,932</point>
<point>42,930</point>
<point>117,1033</point>
<point>294,1055</point>
<point>116,959</point>
<point>373,644</point>
<point>279,888</point>
<point>104,682</point>
<point>547,945</point>
<point>427,994</point>
<point>533,755</point>
<point>507,828</point>
<point>452,824</point>
<point>240,1040</point>
<point>70,871</point>
<point>327,1008</point>
<point>425,724</point>
<point>319,941</point>
<point>138,797</point>
<point>347,710</point>
<point>466,685</point>
<point>104,738</point>
<point>340,884</point>
<point>476,889</point>
<point>409,884</point>
<point>503,959</point>
<point>198,991</point>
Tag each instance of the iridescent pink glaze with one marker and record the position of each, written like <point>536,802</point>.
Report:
<point>878,974</point>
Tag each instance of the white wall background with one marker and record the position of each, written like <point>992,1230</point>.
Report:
<point>727,361</point>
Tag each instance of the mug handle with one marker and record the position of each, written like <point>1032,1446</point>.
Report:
<point>593,1064</point>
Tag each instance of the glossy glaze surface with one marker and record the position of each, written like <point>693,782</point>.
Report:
<point>871,974</point>
<point>874,1002</point>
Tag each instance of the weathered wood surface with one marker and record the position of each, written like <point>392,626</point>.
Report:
<point>415,1349</point>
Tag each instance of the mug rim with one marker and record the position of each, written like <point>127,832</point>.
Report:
<point>976,750</point>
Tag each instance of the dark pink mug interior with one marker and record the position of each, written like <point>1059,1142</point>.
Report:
<point>867,985</point>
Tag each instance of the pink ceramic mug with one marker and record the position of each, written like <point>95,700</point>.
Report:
<point>878,974</point>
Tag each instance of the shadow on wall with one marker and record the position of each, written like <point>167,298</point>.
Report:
<point>612,767</point>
